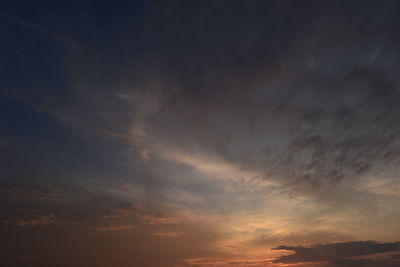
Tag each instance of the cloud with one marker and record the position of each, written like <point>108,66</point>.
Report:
<point>39,221</point>
<point>166,234</point>
<point>335,251</point>
<point>113,228</point>
<point>38,193</point>
<point>259,119</point>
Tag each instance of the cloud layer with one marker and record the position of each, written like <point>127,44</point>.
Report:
<point>175,133</point>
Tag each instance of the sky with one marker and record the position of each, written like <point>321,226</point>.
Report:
<point>199,133</point>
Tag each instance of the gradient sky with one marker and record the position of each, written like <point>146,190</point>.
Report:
<point>199,133</point>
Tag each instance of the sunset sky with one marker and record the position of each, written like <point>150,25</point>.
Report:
<point>199,133</point>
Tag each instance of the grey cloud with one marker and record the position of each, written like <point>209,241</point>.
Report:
<point>335,251</point>
<point>310,237</point>
<point>273,92</point>
<point>321,124</point>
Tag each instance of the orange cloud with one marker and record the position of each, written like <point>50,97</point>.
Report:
<point>166,234</point>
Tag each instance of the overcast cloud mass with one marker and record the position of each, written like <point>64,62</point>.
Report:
<point>199,133</point>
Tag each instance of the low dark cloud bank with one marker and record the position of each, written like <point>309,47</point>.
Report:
<point>336,253</point>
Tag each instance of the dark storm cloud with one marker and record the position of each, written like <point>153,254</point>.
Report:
<point>336,251</point>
